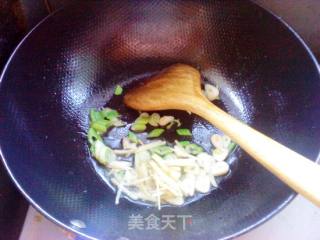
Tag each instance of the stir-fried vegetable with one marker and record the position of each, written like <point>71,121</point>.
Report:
<point>157,132</point>
<point>162,150</point>
<point>95,115</point>
<point>140,124</point>
<point>101,126</point>
<point>93,136</point>
<point>154,119</point>
<point>165,120</point>
<point>220,154</point>
<point>143,119</point>
<point>102,153</point>
<point>138,127</point>
<point>102,120</point>
<point>231,146</point>
<point>211,92</point>
<point>161,172</point>
<point>118,90</point>
<point>172,123</point>
<point>193,149</point>
<point>109,114</point>
<point>133,137</point>
<point>184,132</point>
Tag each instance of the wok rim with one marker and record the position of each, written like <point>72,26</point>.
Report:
<point>251,227</point>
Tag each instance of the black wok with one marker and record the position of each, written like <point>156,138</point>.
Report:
<point>71,62</point>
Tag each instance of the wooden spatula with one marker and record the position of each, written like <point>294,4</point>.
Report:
<point>178,87</point>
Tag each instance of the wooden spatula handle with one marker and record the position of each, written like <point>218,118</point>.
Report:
<point>298,172</point>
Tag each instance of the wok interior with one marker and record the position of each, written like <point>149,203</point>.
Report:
<point>201,132</point>
<point>255,61</point>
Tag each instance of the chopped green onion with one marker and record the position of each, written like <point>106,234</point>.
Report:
<point>142,119</point>
<point>155,133</point>
<point>95,115</point>
<point>184,132</point>
<point>120,174</point>
<point>194,149</point>
<point>162,150</point>
<point>103,153</point>
<point>184,143</point>
<point>132,137</point>
<point>118,90</point>
<point>101,126</point>
<point>138,127</point>
<point>92,149</point>
<point>105,110</point>
<point>154,119</point>
<point>109,114</point>
<point>93,136</point>
<point>117,122</point>
<point>231,146</point>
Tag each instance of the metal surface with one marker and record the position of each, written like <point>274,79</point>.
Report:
<point>302,15</point>
<point>12,206</point>
<point>76,67</point>
<point>16,18</point>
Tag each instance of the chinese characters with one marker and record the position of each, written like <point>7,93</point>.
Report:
<point>153,222</point>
